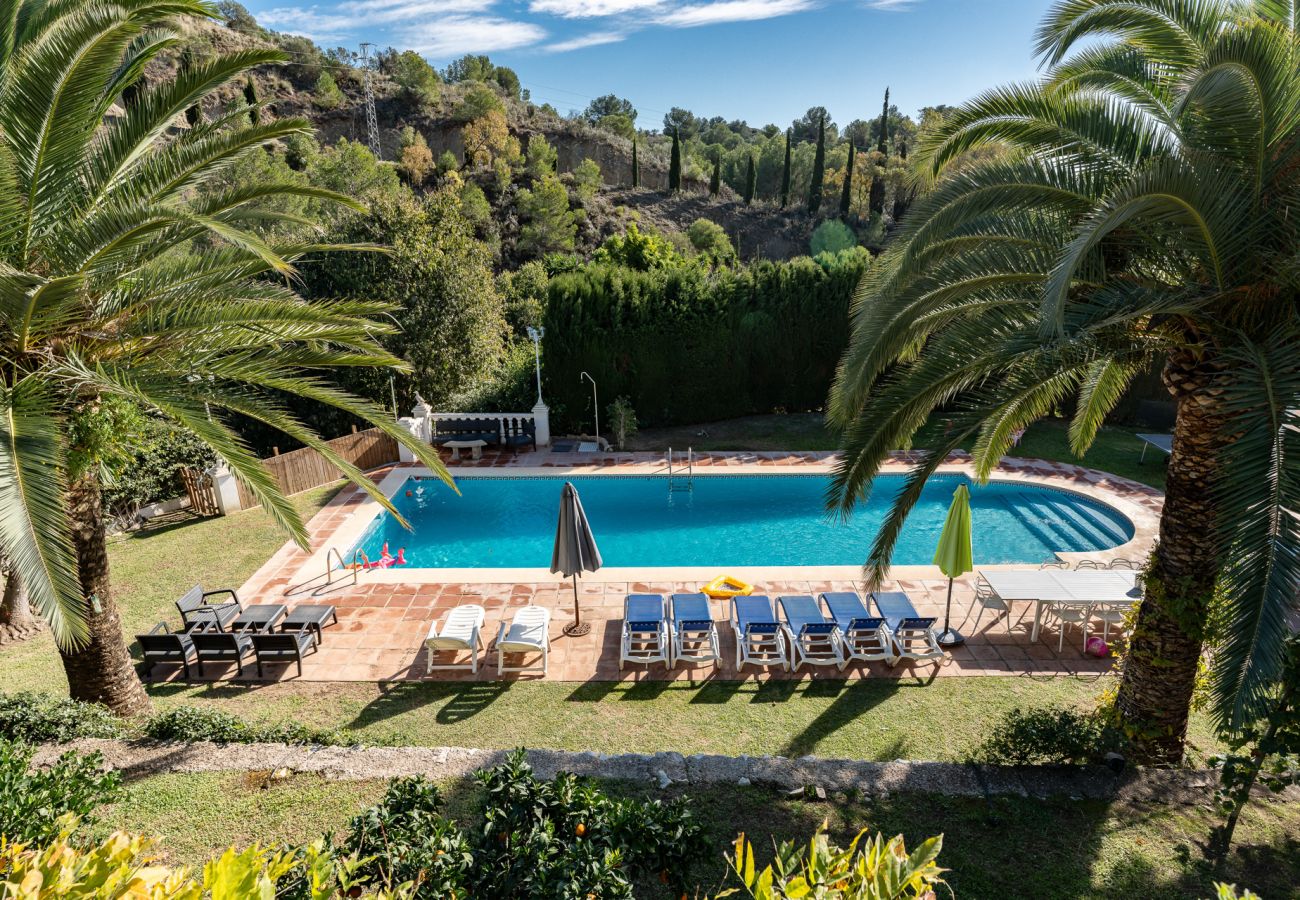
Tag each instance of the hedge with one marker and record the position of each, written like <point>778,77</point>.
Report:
<point>690,345</point>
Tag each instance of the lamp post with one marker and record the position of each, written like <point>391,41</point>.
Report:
<point>595,404</point>
<point>537,334</point>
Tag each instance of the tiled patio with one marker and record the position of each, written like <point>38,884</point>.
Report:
<point>384,619</point>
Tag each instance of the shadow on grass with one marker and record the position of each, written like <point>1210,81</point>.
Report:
<point>851,701</point>
<point>464,700</point>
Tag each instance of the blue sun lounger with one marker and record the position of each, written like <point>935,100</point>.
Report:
<point>645,630</point>
<point>759,637</point>
<point>693,631</point>
<point>913,635</point>
<point>813,638</point>
<point>866,637</point>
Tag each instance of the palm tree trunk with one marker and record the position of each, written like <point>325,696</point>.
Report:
<point>1155,692</point>
<point>101,671</point>
<point>15,611</point>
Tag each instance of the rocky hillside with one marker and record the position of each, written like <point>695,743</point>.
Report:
<point>760,230</point>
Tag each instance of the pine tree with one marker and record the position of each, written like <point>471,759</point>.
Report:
<point>751,181</point>
<point>819,169</point>
<point>785,173</point>
<point>636,167</point>
<point>846,198</point>
<point>250,97</point>
<point>675,165</point>
<point>876,201</point>
<point>715,181</point>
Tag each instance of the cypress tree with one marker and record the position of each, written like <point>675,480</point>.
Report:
<point>785,173</point>
<point>751,181</point>
<point>675,165</point>
<point>250,97</point>
<point>636,167</point>
<point>877,198</point>
<point>715,180</point>
<point>846,198</point>
<point>819,169</point>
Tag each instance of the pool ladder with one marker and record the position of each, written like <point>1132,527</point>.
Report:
<point>681,478</point>
<point>354,570</point>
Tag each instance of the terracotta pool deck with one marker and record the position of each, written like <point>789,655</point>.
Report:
<point>385,617</point>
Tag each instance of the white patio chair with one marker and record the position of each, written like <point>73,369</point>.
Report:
<point>528,632</point>
<point>1067,614</point>
<point>1108,616</point>
<point>1089,564</point>
<point>645,631</point>
<point>460,632</point>
<point>987,598</point>
<point>1127,564</point>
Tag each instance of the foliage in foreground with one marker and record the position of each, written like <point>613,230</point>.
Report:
<point>870,868</point>
<point>126,866</point>
<point>563,838</point>
<point>34,800</point>
<point>1047,735</point>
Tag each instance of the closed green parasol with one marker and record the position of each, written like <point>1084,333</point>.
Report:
<point>953,557</point>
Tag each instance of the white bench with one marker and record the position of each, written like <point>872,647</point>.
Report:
<point>475,448</point>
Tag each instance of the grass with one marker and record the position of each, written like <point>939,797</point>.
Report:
<point>1116,449</point>
<point>995,847</point>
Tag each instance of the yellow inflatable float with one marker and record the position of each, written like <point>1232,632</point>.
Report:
<point>724,586</point>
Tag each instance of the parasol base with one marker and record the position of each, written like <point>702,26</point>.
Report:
<point>949,638</point>
<point>577,629</point>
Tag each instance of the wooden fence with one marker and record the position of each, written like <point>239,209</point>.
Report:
<point>302,470</point>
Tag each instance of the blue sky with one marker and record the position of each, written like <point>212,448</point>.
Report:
<point>760,60</point>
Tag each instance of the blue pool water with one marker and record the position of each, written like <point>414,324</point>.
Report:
<point>730,520</point>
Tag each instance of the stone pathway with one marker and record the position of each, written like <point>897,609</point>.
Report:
<point>136,759</point>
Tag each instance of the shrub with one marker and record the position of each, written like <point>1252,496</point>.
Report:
<point>204,723</point>
<point>622,420</point>
<point>33,800</point>
<point>832,236</point>
<point>1046,735</point>
<point>159,453</point>
<point>710,239</point>
<point>44,718</point>
<point>586,179</point>
<point>870,869</point>
<point>511,387</point>
<point>417,79</point>
<point>327,94</point>
<point>637,249</point>
<point>405,838</point>
<point>549,224</point>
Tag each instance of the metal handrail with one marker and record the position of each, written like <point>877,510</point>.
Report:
<point>329,571</point>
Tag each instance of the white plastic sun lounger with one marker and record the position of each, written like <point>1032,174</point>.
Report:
<point>460,632</point>
<point>759,637</point>
<point>913,635</point>
<point>645,630</point>
<point>528,632</point>
<point>694,633</point>
<point>813,638</point>
<point>866,637</point>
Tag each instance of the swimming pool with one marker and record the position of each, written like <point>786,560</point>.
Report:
<point>726,520</point>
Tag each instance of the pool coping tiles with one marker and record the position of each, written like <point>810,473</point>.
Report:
<point>385,616</point>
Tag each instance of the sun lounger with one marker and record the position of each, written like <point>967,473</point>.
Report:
<point>197,610</point>
<point>866,637</point>
<point>285,647</point>
<point>160,647</point>
<point>645,630</point>
<point>528,632</point>
<point>759,637</point>
<point>693,631</point>
<point>813,638</point>
<point>460,632</point>
<point>913,635</point>
<point>221,646</point>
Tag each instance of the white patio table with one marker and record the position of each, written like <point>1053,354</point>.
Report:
<point>1043,586</point>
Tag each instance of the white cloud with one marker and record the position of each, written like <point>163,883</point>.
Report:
<point>586,9</point>
<point>308,22</point>
<point>582,41</point>
<point>892,5</point>
<point>455,35</point>
<point>732,11</point>
<point>383,11</point>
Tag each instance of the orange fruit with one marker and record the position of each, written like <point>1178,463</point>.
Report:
<point>581,829</point>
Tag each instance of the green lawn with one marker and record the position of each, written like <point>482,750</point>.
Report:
<point>995,848</point>
<point>1115,450</point>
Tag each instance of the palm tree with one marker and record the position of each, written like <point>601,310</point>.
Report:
<point>1144,213</point>
<point>106,307</point>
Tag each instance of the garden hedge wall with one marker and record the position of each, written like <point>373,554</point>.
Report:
<point>690,345</point>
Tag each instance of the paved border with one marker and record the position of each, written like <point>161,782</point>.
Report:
<point>1167,786</point>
